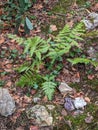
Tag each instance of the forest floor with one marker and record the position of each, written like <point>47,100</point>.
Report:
<point>84,79</point>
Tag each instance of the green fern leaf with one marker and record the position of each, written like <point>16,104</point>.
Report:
<point>49,89</point>
<point>79,60</point>
<point>29,78</point>
<point>83,60</point>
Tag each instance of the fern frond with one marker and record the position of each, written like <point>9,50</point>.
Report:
<point>70,35</point>
<point>83,60</point>
<point>36,46</point>
<point>29,78</point>
<point>49,88</point>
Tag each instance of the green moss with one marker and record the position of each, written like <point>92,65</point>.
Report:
<point>93,84</point>
<point>91,34</point>
<point>78,122</point>
<point>62,6</point>
<point>75,85</point>
<point>81,2</point>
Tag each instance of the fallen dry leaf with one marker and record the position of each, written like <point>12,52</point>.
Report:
<point>26,99</point>
<point>87,99</point>
<point>2,40</point>
<point>80,94</point>
<point>1,12</point>
<point>53,28</point>
<point>78,75</point>
<point>33,91</point>
<point>90,77</point>
<point>16,97</point>
<point>45,99</point>
<point>34,128</point>
<point>95,7</point>
<point>38,6</point>
<point>8,84</point>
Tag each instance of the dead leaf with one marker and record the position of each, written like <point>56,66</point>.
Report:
<point>45,99</point>
<point>87,99</point>
<point>53,28</point>
<point>80,94</point>
<point>78,75</point>
<point>9,83</point>
<point>95,8</point>
<point>26,99</point>
<point>38,6</point>
<point>33,91</point>
<point>2,40</point>
<point>13,40</point>
<point>20,128</point>
<point>21,30</point>
<point>90,77</point>
<point>9,66</point>
<point>34,128</point>
<point>1,12</point>
<point>38,31</point>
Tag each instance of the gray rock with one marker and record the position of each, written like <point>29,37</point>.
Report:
<point>7,104</point>
<point>40,114</point>
<point>92,21</point>
<point>96,103</point>
<point>36,99</point>
<point>89,119</point>
<point>68,105</point>
<point>65,89</point>
<point>92,53</point>
<point>79,102</point>
<point>50,107</point>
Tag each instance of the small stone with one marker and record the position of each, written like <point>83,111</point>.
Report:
<point>50,107</point>
<point>89,119</point>
<point>65,89</point>
<point>68,105</point>
<point>79,102</point>
<point>91,52</point>
<point>36,99</point>
<point>92,21</point>
<point>40,114</point>
<point>7,104</point>
<point>96,103</point>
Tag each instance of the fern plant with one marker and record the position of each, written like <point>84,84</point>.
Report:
<point>29,79</point>
<point>65,40</point>
<point>39,50</point>
<point>49,86</point>
<point>70,35</point>
<point>35,47</point>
